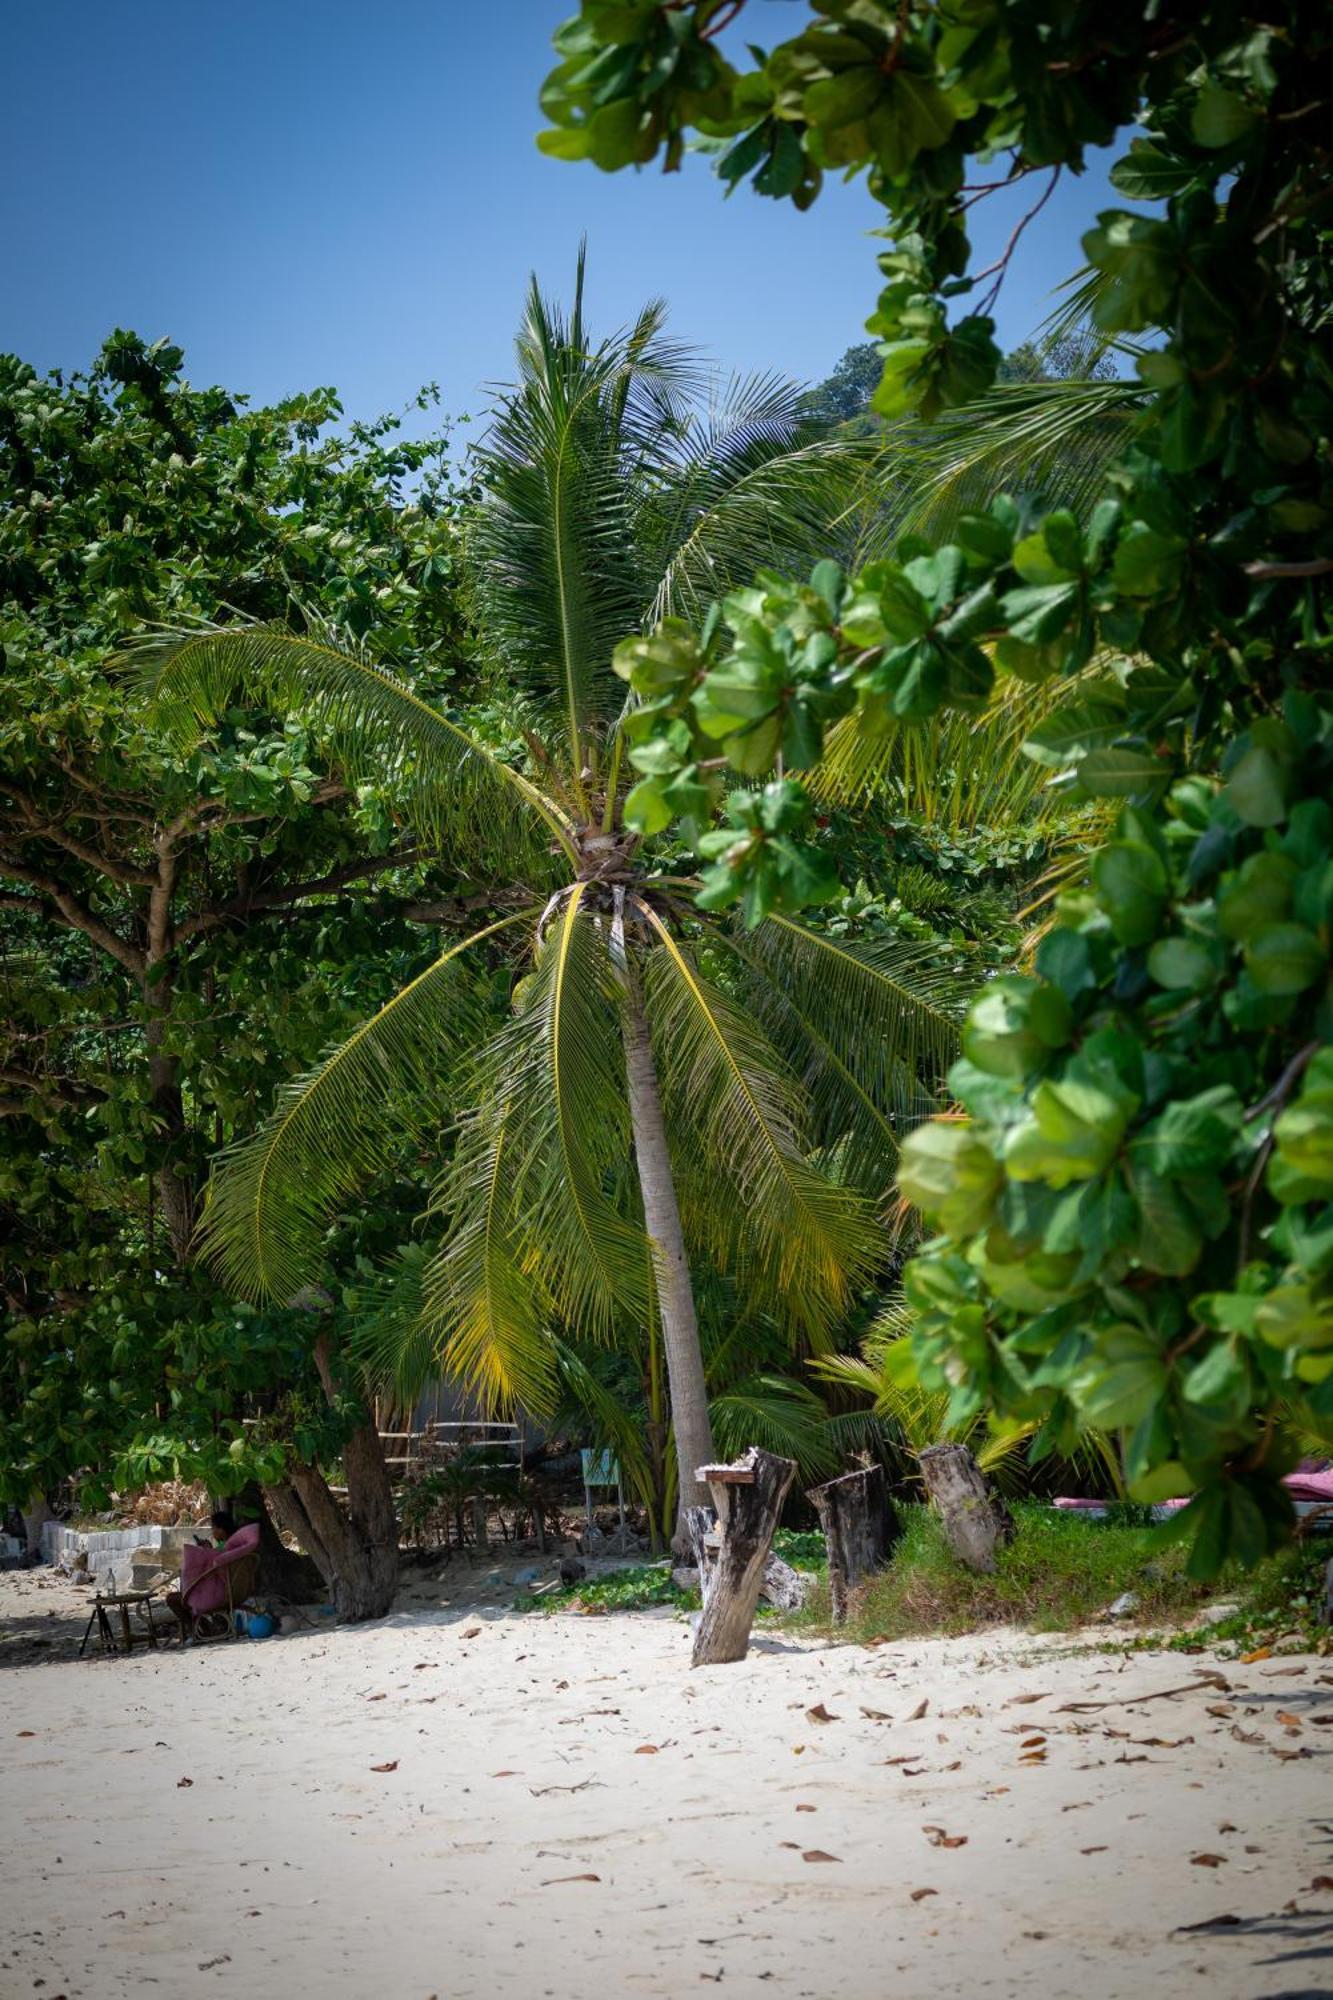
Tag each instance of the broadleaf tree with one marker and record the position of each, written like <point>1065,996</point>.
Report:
<point>176,930</point>
<point>1136,1215</point>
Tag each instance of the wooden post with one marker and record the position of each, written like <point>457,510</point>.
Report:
<point>860,1527</point>
<point>748,1496</point>
<point>975,1521</point>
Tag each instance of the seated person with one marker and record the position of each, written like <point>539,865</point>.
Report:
<point>221,1526</point>
<point>203,1584</point>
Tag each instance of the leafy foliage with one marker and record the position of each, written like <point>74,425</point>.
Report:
<point>1135,1214</point>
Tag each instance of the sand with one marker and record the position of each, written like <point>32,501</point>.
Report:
<point>562,1807</point>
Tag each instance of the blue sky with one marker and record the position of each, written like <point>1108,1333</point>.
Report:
<point>304,192</point>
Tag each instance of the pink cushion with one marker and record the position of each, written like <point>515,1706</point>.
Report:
<point>1315,1486</point>
<point>203,1571</point>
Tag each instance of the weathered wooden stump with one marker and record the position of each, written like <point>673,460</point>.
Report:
<point>975,1520</point>
<point>732,1557</point>
<point>860,1527</point>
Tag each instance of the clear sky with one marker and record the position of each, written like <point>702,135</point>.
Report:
<point>304,192</point>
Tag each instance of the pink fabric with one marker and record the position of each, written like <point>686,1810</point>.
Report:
<point>203,1578</point>
<point>1313,1484</point>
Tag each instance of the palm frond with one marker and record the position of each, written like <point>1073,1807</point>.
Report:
<point>958,772</point>
<point>555,1073</point>
<point>610,1423</point>
<point>870,1026</point>
<point>744,1110</point>
<point>559,576</point>
<point>1049,439</point>
<point>483,1308</point>
<point>452,788</point>
<point>759,487</point>
<point>778,1415</point>
<point>271,1194</point>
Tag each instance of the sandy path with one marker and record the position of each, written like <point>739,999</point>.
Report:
<point>290,1867</point>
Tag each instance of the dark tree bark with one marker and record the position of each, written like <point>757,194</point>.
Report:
<point>748,1496</point>
<point>975,1520</point>
<point>860,1526</point>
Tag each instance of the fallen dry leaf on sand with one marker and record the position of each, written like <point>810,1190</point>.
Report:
<point>392,1765</point>
<point>552,1880</point>
<point>807,1808</point>
<point>472,1632</point>
<point>1207,1860</point>
<point>917,1712</point>
<point>917,1894</point>
<point>1092,1850</point>
<point>27,1732</point>
<point>876,1715</point>
<point>1322,1882</point>
<point>818,1854</point>
<point>1021,1700</point>
<point>1287,1719</point>
<point>1259,1653</point>
<point>182,1784</point>
<point>820,1714</point>
<point>377,1697</point>
<point>506,1774</point>
<point>939,1838</point>
<point>646,1750</point>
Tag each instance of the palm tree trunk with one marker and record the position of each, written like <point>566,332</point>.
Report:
<point>675,1294</point>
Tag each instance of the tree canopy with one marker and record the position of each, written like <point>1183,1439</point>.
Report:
<point>1134,1213</point>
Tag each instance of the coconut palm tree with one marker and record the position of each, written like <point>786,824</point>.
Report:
<point>633,1117</point>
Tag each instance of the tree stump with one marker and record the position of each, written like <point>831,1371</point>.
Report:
<point>860,1527</point>
<point>975,1521</point>
<point>748,1496</point>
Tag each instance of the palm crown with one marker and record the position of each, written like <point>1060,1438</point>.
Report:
<point>667,1089</point>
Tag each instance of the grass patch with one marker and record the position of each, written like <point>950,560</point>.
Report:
<point>1060,1571</point>
<point>1277,1604</point>
<point>635,1588</point>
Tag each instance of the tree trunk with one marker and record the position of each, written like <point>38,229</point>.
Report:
<point>671,1271</point>
<point>975,1522</point>
<point>860,1526</point>
<point>748,1496</point>
<point>35,1516</point>
<point>282,1573</point>
<point>356,1546</point>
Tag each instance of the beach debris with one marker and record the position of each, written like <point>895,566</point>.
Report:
<point>392,1765</point>
<point>820,1714</point>
<point>818,1854</point>
<point>937,1837</point>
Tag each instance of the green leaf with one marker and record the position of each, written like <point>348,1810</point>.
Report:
<point>1131,886</point>
<point>1284,958</point>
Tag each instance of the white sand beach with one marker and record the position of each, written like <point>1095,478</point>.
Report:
<point>462,1801</point>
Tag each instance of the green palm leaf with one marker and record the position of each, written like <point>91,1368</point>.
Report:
<point>757,484</point>
<point>726,1085</point>
<point>483,1308</point>
<point>271,1194</point>
<point>453,789</point>
<point>555,1075</point>
<point>779,1415</point>
<point>560,579</point>
<point>870,1026</point>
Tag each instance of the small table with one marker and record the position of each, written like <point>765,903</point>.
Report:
<point>122,1601</point>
